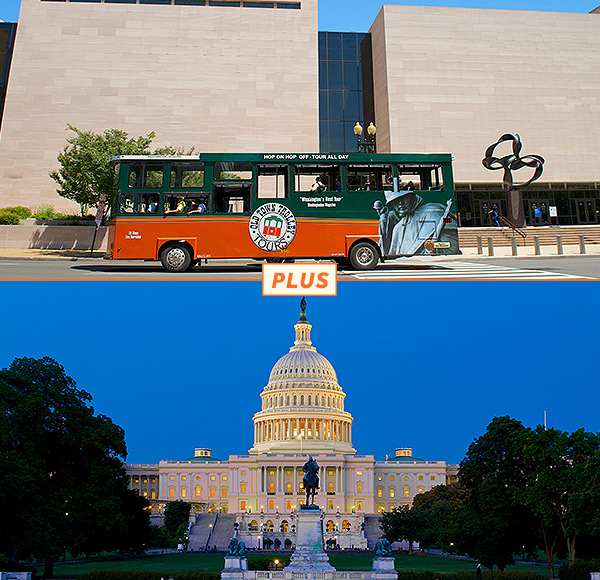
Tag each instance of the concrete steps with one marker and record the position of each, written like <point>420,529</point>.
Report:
<point>547,235</point>
<point>200,531</point>
<point>222,531</point>
<point>372,530</point>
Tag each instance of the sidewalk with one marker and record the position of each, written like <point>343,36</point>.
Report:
<point>529,251</point>
<point>499,252</point>
<point>31,254</point>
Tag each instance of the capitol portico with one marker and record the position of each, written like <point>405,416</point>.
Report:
<point>302,415</point>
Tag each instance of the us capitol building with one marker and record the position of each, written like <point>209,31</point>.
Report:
<point>302,415</point>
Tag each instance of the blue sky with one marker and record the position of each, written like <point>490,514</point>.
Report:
<point>358,15</point>
<point>424,365</point>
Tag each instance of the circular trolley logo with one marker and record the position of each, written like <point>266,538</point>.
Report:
<point>272,227</point>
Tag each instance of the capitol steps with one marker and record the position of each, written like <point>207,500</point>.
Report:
<point>372,530</point>
<point>547,235</point>
<point>200,531</point>
<point>222,531</point>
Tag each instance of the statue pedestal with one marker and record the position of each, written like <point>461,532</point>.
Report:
<point>235,567</point>
<point>383,568</point>
<point>309,555</point>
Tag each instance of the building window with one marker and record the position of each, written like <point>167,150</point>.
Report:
<point>144,479</point>
<point>153,494</point>
<point>406,491</point>
<point>420,490</point>
<point>359,472</point>
<point>359,505</point>
<point>198,491</point>
<point>288,487</point>
<point>211,492</point>
<point>243,506</point>
<point>153,480</point>
<point>330,472</point>
<point>330,526</point>
<point>330,487</point>
<point>224,492</point>
<point>136,479</point>
<point>172,477</point>
<point>345,526</point>
<point>271,505</point>
<point>359,488</point>
<point>183,492</point>
<point>380,478</point>
<point>391,478</point>
<point>288,505</point>
<point>224,478</point>
<point>242,488</point>
<point>379,492</point>
<point>271,487</point>
<point>212,477</point>
<point>183,478</point>
<point>243,472</point>
<point>171,492</point>
<point>432,477</point>
<point>380,509</point>
<point>145,493</point>
<point>392,492</point>
<point>420,478</point>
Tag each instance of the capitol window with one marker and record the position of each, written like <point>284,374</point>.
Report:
<point>242,488</point>
<point>359,472</point>
<point>406,491</point>
<point>379,492</point>
<point>198,491</point>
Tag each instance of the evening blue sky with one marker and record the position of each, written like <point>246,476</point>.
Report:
<point>424,365</point>
<point>358,15</point>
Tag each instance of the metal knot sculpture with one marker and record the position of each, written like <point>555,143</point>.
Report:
<point>513,162</point>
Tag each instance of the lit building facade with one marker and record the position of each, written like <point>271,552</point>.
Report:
<point>302,415</point>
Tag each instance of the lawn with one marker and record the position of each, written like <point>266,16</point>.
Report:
<point>200,562</point>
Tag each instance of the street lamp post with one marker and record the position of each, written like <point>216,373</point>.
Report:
<point>369,143</point>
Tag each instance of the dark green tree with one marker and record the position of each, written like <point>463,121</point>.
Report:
<point>442,504</point>
<point>62,465</point>
<point>495,523</point>
<point>403,523</point>
<point>85,173</point>
<point>561,477</point>
<point>177,513</point>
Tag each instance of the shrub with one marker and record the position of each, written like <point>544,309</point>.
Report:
<point>9,219</point>
<point>127,575</point>
<point>580,570</point>
<point>45,212</point>
<point>506,575</point>
<point>21,211</point>
<point>262,562</point>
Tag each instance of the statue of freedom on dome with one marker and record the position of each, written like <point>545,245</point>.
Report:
<point>310,481</point>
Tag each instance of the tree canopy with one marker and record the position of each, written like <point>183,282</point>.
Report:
<point>64,486</point>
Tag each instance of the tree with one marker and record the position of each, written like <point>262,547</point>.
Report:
<point>495,524</point>
<point>177,513</point>
<point>85,173</point>
<point>403,523</point>
<point>442,504</point>
<point>562,472</point>
<point>62,467</point>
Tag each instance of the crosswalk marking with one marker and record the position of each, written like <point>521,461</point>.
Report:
<point>463,271</point>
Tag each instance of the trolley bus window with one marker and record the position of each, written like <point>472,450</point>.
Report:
<point>187,203</point>
<point>232,198</point>
<point>232,171</point>
<point>368,177</point>
<point>306,175</point>
<point>187,175</point>
<point>272,181</point>
<point>145,175</point>
<point>138,203</point>
<point>423,177</point>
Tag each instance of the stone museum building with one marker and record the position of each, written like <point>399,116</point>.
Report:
<point>302,414</point>
<point>257,76</point>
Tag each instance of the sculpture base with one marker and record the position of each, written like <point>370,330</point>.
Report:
<point>384,568</point>
<point>309,555</point>
<point>235,568</point>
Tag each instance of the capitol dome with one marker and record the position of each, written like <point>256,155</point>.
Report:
<point>303,404</point>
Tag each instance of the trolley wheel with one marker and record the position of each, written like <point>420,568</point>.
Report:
<point>341,262</point>
<point>363,256</point>
<point>176,258</point>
